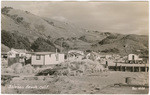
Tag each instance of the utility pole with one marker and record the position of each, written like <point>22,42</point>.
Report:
<point>125,46</point>
<point>61,46</point>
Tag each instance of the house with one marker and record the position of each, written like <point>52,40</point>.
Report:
<point>108,56</point>
<point>46,58</point>
<point>116,56</point>
<point>75,55</point>
<point>14,53</point>
<point>98,56</point>
<point>76,51</point>
<point>93,56</point>
<point>134,57</point>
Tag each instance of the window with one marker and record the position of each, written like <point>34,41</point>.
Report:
<point>21,55</point>
<point>17,55</point>
<point>38,57</point>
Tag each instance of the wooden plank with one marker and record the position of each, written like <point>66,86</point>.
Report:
<point>133,69</point>
<point>139,69</point>
<point>132,85</point>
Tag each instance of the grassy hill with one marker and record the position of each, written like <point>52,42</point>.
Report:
<point>34,26</point>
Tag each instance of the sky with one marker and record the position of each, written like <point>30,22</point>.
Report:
<point>118,17</point>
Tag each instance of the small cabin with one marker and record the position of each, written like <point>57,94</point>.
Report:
<point>75,55</point>
<point>134,57</point>
<point>46,58</point>
<point>16,53</point>
<point>109,56</point>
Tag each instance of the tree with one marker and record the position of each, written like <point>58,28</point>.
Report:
<point>41,44</point>
<point>13,40</point>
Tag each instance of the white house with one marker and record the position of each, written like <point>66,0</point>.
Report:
<point>108,56</point>
<point>76,51</point>
<point>133,57</point>
<point>14,53</point>
<point>46,58</point>
<point>75,55</point>
<point>98,56</point>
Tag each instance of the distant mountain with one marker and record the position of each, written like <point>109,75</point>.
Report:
<point>36,33</point>
<point>123,44</point>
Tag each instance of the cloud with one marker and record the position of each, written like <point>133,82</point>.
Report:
<point>120,17</point>
<point>60,18</point>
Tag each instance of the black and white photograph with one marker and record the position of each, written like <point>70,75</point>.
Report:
<point>74,47</point>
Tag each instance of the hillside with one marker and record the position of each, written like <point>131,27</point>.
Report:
<point>36,33</point>
<point>123,44</point>
<point>34,26</point>
<point>4,48</point>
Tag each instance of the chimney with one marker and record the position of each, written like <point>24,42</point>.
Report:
<point>56,50</point>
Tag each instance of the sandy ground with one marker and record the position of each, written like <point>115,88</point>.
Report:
<point>97,83</point>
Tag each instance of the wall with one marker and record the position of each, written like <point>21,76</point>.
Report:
<point>52,59</point>
<point>22,54</point>
<point>37,62</point>
<point>47,59</point>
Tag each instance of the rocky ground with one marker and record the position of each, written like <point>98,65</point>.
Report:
<point>96,83</point>
<point>18,79</point>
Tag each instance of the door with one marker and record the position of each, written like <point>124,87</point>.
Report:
<point>132,57</point>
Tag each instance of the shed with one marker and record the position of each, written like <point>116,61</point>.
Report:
<point>133,57</point>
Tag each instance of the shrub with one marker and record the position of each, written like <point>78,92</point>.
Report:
<point>5,10</point>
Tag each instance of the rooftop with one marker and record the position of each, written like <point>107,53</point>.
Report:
<point>42,53</point>
<point>19,50</point>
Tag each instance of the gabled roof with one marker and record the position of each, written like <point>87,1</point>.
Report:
<point>76,52</point>
<point>3,52</point>
<point>20,50</point>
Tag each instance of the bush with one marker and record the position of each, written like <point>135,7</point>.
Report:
<point>13,40</point>
<point>28,69</point>
<point>17,67</point>
<point>7,70</point>
<point>113,50</point>
<point>19,19</point>
<point>5,10</point>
